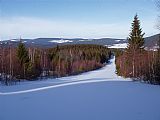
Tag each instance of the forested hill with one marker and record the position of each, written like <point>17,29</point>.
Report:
<point>152,42</point>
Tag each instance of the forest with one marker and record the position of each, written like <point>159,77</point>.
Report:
<point>30,63</point>
<point>135,61</point>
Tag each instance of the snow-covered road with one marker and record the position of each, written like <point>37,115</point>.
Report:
<point>95,95</point>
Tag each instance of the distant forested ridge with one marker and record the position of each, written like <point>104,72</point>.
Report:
<point>31,63</point>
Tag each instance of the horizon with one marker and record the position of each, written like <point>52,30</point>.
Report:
<point>71,38</point>
<point>88,19</point>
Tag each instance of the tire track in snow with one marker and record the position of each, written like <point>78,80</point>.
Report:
<point>53,86</point>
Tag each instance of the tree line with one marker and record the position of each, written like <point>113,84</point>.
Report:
<point>31,63</point>
<point>135,61</point>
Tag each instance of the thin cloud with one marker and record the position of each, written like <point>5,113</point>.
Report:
<point>28,27</point>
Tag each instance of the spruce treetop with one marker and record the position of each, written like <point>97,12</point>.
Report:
<point>135,39</point>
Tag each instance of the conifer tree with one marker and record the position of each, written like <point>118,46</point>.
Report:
<point>23,57</point>
<point>135,39</point>
<point>135,42</point>
<point>22,53</point>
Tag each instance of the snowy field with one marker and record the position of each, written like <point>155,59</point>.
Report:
<point>95,95</point>
<point>119,45</point>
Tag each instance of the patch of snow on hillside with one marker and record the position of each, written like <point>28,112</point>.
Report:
<point>86,40</point>
<point>13,40</point>
<point>154,48</point>
<point>123,45</point>
<point>117,40</point>
<point>24,41</point>
<point>60,41</point>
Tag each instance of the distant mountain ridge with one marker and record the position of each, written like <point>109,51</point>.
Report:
<point>150,42</point>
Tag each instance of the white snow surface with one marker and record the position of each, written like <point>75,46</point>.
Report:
<point>120,45</point>
<point>60,41</point>
<point>13,40</point>
<point>118,40</point>
<point>95,95</point>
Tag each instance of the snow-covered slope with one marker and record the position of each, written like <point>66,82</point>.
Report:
<point>96,95</point>
<point>60,41</point>
<point>123,45</point>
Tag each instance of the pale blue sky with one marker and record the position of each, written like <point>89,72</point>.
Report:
<point>74,18</point>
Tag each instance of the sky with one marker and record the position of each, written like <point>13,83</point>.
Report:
<point>75,18</point>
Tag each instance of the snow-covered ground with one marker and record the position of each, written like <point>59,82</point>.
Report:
<point>122,45</point>
<point>60,41</point>
<point>95,95</point>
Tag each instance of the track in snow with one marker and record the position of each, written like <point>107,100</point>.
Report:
<point>53,86</point>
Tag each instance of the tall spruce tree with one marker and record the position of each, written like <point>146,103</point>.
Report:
<point>23,57</point>
<point>135,43</point>
<point>136,39</point>
<point>22,53</point>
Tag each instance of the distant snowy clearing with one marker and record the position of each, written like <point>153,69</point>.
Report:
<point>120,45</point>
<point>60,41</point>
